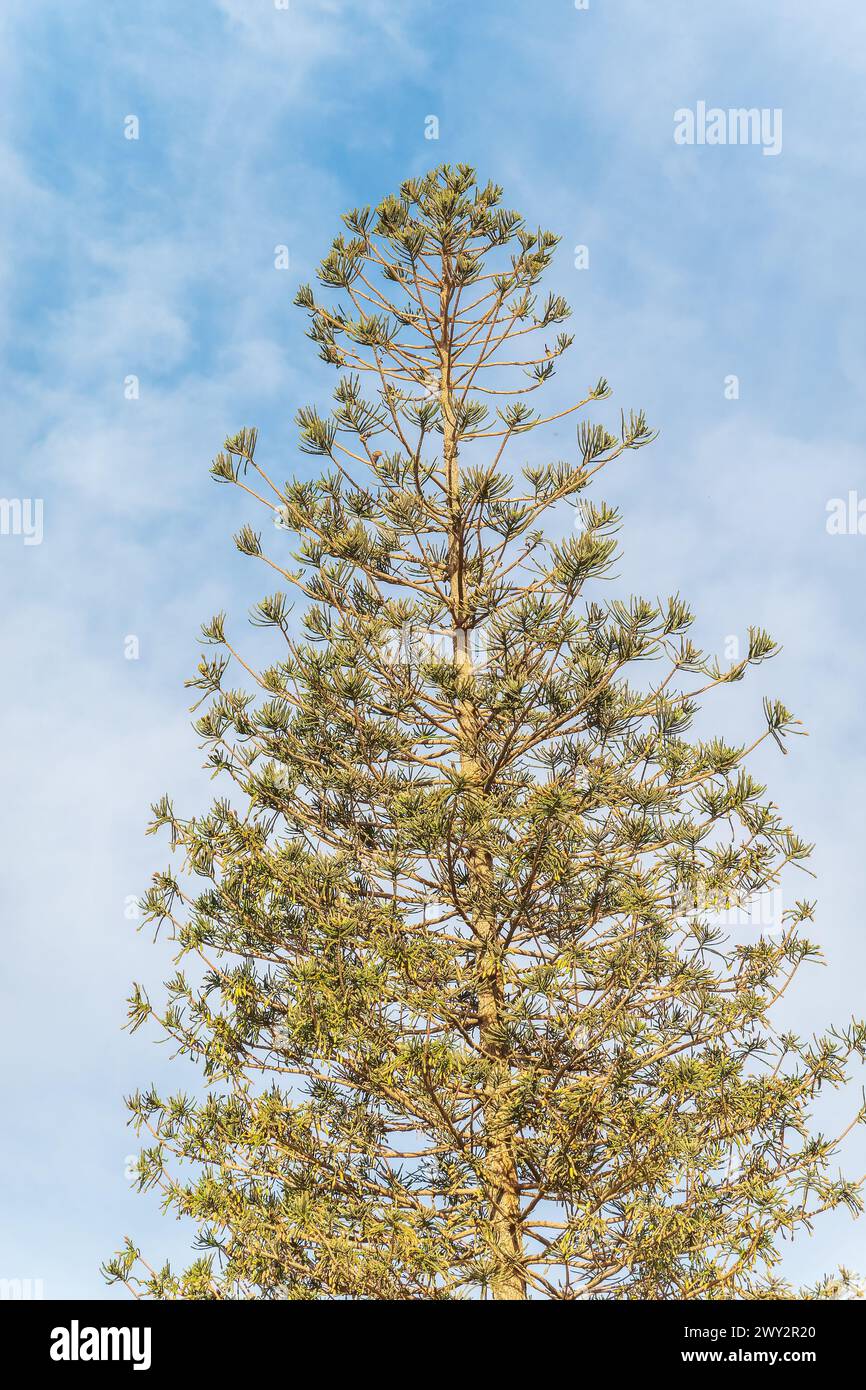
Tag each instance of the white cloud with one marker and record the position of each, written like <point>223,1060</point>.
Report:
<point>167,273</point>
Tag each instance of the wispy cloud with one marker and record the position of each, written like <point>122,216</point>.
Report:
<point>154,258</point>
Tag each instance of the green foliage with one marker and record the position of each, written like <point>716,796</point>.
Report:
<point>447,954</point>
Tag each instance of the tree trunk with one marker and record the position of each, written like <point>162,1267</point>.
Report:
<point>500,1179</point>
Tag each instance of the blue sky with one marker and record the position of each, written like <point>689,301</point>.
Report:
<point>154,258</point>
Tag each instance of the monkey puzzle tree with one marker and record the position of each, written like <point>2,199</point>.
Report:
<point>452,970</point>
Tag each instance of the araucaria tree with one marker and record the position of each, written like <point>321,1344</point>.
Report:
<point>453,969</point>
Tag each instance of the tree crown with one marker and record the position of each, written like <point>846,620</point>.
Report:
<point>453,969</point>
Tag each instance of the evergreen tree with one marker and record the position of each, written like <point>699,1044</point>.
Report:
<point>452,969</point>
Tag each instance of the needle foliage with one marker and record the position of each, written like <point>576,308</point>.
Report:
<point>448,951</point>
